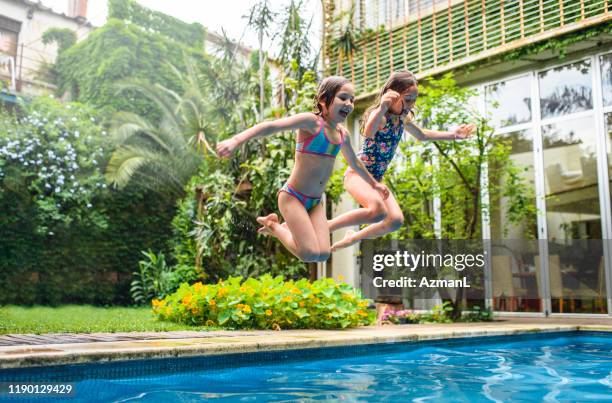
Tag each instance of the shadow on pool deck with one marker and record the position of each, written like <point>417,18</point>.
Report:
<point>49,349</point>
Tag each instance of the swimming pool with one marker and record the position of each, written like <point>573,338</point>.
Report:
<point>564,366</point>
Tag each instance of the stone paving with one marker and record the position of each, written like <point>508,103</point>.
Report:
<point>33,350</point>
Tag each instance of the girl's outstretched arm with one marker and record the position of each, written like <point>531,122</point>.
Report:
<point>356,164</point>
<point>305,121</point>
<point>462,132</point>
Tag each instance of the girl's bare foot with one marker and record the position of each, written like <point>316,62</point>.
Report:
<point>266,223</point>
<point>348,240</point>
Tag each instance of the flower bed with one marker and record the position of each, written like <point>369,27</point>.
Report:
<point>267,303</point>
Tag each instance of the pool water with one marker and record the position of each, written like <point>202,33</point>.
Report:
<point>574,366</point>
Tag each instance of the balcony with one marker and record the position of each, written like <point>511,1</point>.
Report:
<point>434,37</point>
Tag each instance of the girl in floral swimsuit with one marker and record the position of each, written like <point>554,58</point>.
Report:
<point>383,125</point>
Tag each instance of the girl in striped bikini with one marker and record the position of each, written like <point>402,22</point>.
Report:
<point>383,125</point>
<point>320,137</point>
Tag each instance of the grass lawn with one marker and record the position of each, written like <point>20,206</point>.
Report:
<point>83,319</point>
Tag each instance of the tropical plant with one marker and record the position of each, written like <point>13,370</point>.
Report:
<point>156,279</point>
<point>164,155</point>
<point>295,53</point>
<point>260,18</point>
<point>345,42</point>
<point>267,303</point>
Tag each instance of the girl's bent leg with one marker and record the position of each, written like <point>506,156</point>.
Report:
<point>298,235</point>
<point>373,206</point>
<point>393,221</point>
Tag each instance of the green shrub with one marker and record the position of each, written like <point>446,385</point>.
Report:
<point>267,303</point>
<point>155,279</point>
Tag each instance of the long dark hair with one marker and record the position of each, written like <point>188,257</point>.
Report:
<point>328,88</point>
<point>398,81</point>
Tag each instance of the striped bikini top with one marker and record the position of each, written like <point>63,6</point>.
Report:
<point>320,144</point>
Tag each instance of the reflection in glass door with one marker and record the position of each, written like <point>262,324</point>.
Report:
<point>515,285</point>
<point>573,219</point>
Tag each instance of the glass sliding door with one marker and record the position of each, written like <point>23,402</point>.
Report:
<point>576,271</point>
<point>514,282</point>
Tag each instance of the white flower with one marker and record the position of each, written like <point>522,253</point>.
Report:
<point>89,205</point>
<point>58,189</point>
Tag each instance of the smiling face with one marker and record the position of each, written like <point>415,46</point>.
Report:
<point>406,101</point>
<point>342,104</point>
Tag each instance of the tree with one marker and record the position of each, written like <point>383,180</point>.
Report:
<point>260,18</point>
<point>163,156</point>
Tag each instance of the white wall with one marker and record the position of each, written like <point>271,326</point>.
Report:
<point>35,53</point>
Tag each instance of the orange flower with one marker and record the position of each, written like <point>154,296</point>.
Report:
<point>187,299</point>
<point>197,286</point>
<point>246,309</point>
<point>361,313</point>
<point>287,299</point>
<point>268,312</point>
<point>212,302</point>
<point>301,304</point>
<point>295,290</point>
<point>240,306</point>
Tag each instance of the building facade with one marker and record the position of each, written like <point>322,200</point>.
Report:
<point>543,71</point>
<point>23,54</point>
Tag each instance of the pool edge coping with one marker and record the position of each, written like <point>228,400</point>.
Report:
<point>66,354</point>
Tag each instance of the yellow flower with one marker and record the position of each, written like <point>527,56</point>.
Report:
<point>213,302</point>
<point>243,289</point>
<point>295,290</point>
<point>222,292</point>
<point>268,312</point>
<point>246,309</point>
<point>317,300</point>
<point>287,299</point>
<point>187,299</point>
<point>197,286</point>
<point>329,315</point>
<point>340,277</point>
<point>240,306</point>
<point>301,303</point>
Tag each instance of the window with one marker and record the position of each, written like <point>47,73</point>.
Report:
<point>509,102</point>
<point>606,78</point>
<point>566,89</point>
